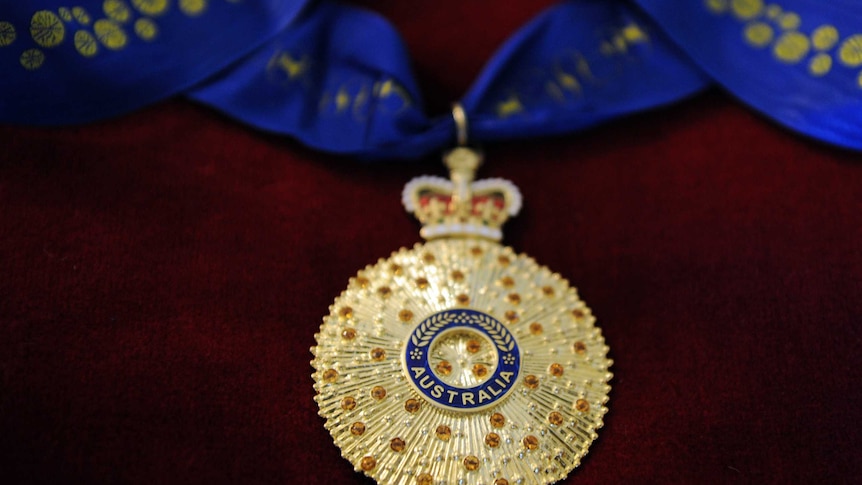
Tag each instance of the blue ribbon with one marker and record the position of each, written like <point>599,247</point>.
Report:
<point>338,78</point>
<point>62,65</point>
<point>797,61</point>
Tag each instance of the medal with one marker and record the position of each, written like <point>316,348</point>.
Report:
<point>460,360</point>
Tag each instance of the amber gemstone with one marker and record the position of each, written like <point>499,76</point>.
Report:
<point>471,463</point>
<point>362,282</point>
<point>498,420</point>
<point>582,405</point>
<point>462,299</point>
<point>345,312</point>
<point>348,403</point>
<point>378,354</point>
<point>578,313</point>
<point>514,298</point>
<point>457,275</point>
<point>536,328</point>
<point>492,440</point>
<point>444,368</point>
<point>480,371</point>
<point>548,290</point>
<point>405,315</point>
<point>422,283</point>
<point>368,463</point>
<point>412,405</point>
<point>378,392</point>
<point>397,444</point>
<point>512,316</point>
<point>501,481</point>
<point>384,291</point>
<point>443,432</point>
<point>531,442</point>
<point>476,251</point>
<point>580,347</point>
<point>428,258</point>
<point>424,479</point>
<point>507,282</point>
<point>531,381</point>
<point>357,428</point>
<point>330,375</point>
<point>556,370</point>
<point>473,346</point>
<point>504,260</point>
<point>348,334</point>
<point>395,268</point>
<point>555,418</point>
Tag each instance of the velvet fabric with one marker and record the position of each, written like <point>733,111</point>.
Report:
<point>162,276</point>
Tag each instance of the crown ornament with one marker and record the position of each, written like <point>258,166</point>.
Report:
<point>461,206</point>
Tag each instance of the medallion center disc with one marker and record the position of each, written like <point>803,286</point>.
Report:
<point>462,359</point>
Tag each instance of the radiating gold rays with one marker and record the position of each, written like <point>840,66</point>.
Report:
<point>546,424</point>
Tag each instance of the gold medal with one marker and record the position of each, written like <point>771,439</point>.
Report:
<point>460,361</point>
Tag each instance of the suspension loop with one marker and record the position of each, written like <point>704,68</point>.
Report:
<point>460,117</point>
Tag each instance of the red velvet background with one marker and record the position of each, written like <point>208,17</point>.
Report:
<point>162,276</point>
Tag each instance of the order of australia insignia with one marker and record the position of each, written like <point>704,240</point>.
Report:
<point>459,361</point>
